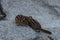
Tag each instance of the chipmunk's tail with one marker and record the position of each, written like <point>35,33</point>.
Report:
<point>50,38</point>
<point>45,31</point>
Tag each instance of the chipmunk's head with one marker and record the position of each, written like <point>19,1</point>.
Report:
<point>20,19</point>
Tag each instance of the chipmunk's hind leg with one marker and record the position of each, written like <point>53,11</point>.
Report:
<point>37,23</point>
<point>50,38</point>
<point>46,31</point>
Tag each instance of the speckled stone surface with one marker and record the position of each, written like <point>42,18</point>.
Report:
<point>46,12</point>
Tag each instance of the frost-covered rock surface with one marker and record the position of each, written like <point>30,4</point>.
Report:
<point>46,12</point>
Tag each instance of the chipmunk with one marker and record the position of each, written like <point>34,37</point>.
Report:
<point>25,20</point>
<point>35,25</point>
<point>2,14</point>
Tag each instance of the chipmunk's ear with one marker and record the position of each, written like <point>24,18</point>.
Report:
<point>19,15</point>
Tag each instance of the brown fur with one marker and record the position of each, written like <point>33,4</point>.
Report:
<point>19,20</point>
<point>25,20</point>
<point>36,26</point>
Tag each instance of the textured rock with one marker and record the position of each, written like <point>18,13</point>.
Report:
<point>45,11</point>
